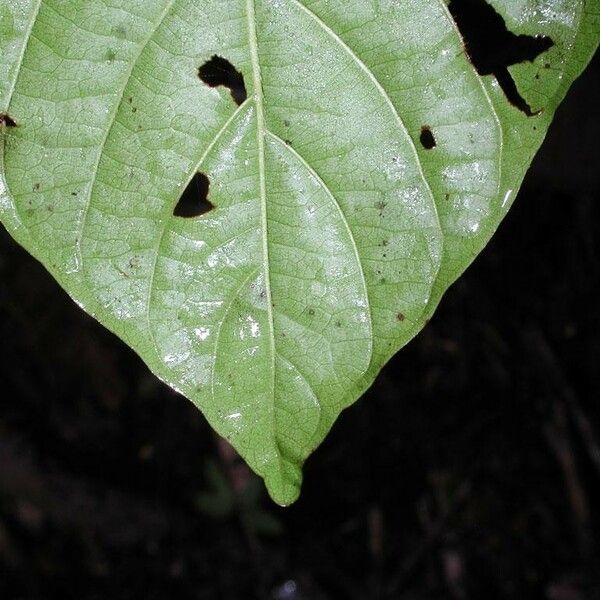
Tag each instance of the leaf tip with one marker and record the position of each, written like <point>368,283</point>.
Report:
<point>284,483</point>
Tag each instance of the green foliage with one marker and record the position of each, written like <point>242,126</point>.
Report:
<point>336,225</point>
<point>221,501</point>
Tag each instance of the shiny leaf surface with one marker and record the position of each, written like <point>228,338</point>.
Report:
<point>359,164</point>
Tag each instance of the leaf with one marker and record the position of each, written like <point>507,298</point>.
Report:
<point>368,165</point>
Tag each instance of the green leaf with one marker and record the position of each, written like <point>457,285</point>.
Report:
<point>334,231</point>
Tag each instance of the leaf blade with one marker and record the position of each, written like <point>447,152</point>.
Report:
<point>333,236</point>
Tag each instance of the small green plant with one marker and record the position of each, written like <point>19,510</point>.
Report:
<point>266,199</point>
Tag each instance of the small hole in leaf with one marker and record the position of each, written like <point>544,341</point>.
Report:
<point>492,48</point>
<point>219,71</point>
<point>427,138</point>
<point>194,200</point>
<point>7,120</point>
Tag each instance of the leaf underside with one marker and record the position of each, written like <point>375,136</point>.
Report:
<point>359,171</point>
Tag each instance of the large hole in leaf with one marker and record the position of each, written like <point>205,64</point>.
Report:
<point>219,71</point>
<point>492,48</point>
<point>194,200</point>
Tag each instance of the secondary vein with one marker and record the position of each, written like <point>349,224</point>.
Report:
<point>163,15</point>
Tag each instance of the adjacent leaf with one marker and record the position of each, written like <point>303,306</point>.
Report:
<point>356,169</point>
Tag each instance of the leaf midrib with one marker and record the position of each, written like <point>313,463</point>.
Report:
<point>260,135</point>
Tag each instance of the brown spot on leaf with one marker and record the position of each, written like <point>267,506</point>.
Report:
<point>427,138</point>
<point>7,121</point>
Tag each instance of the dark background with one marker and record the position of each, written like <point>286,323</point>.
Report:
<point>469,470</point>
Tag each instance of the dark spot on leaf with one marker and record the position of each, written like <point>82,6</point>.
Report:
<point>311,311</point>
<point>124,273</point>
<point>338,323</point>
<point>119,31</point>
<point>73,193</point>
<point>7,120</point>
<point>286,123</point>
<point>219,71</point>
<point>427,138</point>
<point>492,48</point>
<point>36,187</point>
<point>194,200</point>
<point>380,205</point>
<point>288,143</point>
<point>110,55</point>
<point>400,317</point>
